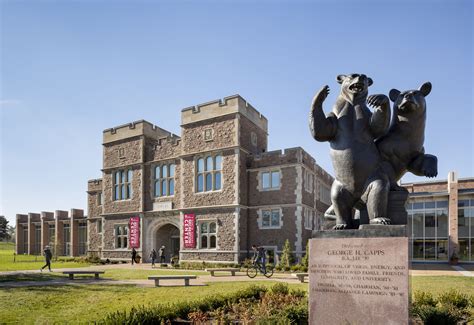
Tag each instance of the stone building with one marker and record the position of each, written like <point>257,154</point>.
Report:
<point>441,219</point>
<point>206,195</point>
<point>65,233</point>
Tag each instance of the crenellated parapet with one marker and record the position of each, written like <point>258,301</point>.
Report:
<point>135,129</point>
<point>221,107</point>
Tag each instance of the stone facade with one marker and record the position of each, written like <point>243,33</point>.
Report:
<point>230,215</point>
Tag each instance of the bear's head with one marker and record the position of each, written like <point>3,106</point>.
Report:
<point>410,101</point>
<point>354,86</point>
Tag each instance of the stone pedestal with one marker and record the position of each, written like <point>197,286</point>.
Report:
<point>359,276</point>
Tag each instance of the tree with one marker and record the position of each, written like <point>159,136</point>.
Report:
<point>287,257</point>
<point>11,230</point>
<point>4,235</point>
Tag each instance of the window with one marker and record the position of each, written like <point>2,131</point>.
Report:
<point>99,226</point>
<point>270,180</point>
<point>51,234</point>
<point>100,199</point>
<point>208,134</point>
<point>308,219</point>
<point>121,236</point>
<point>308,180</point>
<point>209,174</point>
<point>325,194</point>
<point>270,218</point>
<point>121,153</point>
<point>208,235</point>
<point>82,238</point>
<point>253,138</point>
<point>164,180</point>
<point>122,184</point>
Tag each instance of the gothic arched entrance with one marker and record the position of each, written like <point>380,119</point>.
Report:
<point>168,236</point>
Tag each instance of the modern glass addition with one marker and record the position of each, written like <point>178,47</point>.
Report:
<point>428,229</point>
<point>466,229</point>
<point>164,180</point>
<point>122,184</point>
<point>82,238</point>
<point>209,174</point>
<point>208,235</point>
<point>67,240</point>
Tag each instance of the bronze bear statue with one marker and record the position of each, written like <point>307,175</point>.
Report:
<point>351,129</point>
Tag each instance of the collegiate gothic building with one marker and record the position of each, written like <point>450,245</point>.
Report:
<point>206,195</point>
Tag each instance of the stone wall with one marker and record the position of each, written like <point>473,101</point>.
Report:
<point>108,229</point>
<point>246,127</point>
<point>224,134</point>
<point>273,237</point>
<point>123,153</point>
<point>225,251</point>
<point>166,148</point>
<point>94,237</point>
<point>285,195</point>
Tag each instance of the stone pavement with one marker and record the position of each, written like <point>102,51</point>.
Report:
<point>202,280</point>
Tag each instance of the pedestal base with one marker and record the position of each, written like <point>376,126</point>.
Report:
<point>359,276</point>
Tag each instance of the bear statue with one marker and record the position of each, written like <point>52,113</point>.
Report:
<point>351,129</point>
<point>402,148</point>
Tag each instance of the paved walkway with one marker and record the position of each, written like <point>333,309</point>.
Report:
<point>202,280</point>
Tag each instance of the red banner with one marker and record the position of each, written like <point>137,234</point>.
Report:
<point>189,232</point>
<point>134,231</point>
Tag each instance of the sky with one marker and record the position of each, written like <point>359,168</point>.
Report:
<point>70,69</point>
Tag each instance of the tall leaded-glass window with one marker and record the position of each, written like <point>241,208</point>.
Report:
<point>121,236</point>
<point>164,180</point>
<point>208,235</point>
<point>209,173</point>
<point>122,184</point>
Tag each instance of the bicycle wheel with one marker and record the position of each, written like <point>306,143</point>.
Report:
<point>252,272</point>
<point>269,272</point>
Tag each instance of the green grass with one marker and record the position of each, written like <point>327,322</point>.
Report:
<point>87,303</point>
<point>29,262</point>
<point>440,284</point>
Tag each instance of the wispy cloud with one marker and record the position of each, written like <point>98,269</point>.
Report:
<point>9,102</point>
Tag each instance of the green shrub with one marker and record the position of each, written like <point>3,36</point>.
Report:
<point>423,298</point>
<point>305,259</point>
<point>455,298</point>
<point>431,315</point>
<point>280,288</point>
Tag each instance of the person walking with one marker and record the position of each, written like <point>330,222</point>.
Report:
<point>47,257</point>
<point>162,254</point>
<point>153,256</point>
<point>134,255</point>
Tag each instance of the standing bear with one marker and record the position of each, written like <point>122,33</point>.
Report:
<point>351,129</point>
<point>402,147</point>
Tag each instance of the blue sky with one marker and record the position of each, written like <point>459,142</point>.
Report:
<point>69,70</point>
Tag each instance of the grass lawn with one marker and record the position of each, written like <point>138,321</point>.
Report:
<point>87,303</point>
<point>28,262</point>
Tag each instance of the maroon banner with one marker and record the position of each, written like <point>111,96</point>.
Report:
<point>134,231</point>
<point>189,233</point>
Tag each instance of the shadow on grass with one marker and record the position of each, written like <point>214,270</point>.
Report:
<point>21,277</point>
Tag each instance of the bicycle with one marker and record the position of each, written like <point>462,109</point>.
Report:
<point>253,270</point>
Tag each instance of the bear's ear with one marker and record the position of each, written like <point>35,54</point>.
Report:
<point>425,88</point>
<point>370,81</point>
<point>340,78</point>
<point>393,94</point>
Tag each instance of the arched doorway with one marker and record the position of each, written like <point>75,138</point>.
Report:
<point>168,236</point>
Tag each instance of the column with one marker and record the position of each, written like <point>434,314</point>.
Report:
<point>453,214</point>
